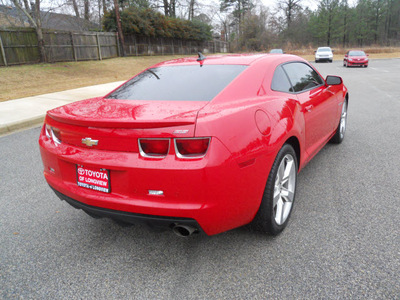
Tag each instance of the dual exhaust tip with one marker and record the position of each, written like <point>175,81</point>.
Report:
<point>184,230</point>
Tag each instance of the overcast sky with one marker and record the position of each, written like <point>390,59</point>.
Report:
<point>208,6</point>
<point>312,4</point>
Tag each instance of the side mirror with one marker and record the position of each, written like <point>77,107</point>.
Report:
<point>333,50</point>
<point>345,55</point>
<point>315,51</point>
<point>333,80</point>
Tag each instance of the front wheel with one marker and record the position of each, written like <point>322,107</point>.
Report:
<point>341,129</point>
<point>277,201</point>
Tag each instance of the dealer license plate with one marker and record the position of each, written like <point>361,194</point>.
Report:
<point>93,178</point>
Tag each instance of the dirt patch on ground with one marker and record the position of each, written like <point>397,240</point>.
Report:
<point>30,80</point>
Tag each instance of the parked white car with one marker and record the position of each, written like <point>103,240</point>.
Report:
<point>324,54</point>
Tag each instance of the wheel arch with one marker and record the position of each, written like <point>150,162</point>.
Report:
<point>294,142</point>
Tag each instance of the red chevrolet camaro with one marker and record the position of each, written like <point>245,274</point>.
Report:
<point>355,58</point>
<point>196,145</point>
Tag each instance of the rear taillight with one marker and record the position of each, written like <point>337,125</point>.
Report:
<point>53,134</point>
<point>191,147</point>
<point>154,147</point>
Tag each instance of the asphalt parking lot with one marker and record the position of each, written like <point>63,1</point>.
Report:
<point>343,240</point>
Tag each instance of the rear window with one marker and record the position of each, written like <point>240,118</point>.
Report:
<point>179,83</point>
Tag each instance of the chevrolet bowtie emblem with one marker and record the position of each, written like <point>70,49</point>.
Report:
<point>89,142</point>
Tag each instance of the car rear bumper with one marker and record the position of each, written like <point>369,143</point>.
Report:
<point>214,191</point>
<point>149,220</point>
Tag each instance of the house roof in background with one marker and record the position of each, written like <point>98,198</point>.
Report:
<point>13,17</point>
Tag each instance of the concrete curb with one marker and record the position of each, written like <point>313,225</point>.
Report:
<point>26,123</point>
<point>27,112</point>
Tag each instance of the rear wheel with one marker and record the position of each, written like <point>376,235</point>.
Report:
<point>277,202</point>
<point>341,129</point>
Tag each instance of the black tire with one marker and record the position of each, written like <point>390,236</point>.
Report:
<point>330,61</point>
<point>340,132</point>
<point>266,218</point>
<point>316,61</point>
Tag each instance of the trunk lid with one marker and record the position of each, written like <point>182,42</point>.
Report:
<point>111,113</point>
<point>117,125</point>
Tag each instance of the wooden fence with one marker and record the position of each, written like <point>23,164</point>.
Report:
<point>21,46</point>
<point>142,45</point>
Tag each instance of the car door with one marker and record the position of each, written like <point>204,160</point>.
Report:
<point>318,104</point>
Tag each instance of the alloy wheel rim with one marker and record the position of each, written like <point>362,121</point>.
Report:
<point>285,183</point>
<point>343,119</point>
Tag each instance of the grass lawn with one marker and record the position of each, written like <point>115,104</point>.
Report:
<point>30,80</point>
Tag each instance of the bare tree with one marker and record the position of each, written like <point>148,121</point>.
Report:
<point>191,9</point>
<point>119,27</point>
<point>238,8</point>
<point>104,6</point>
<point>75,6</point>
<point>32,12</point>
<point>86,7</point>
<point>169,8</point>
<point>289,7</point>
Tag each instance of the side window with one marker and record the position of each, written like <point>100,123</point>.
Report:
<point>280,81</point>
<point>302,76</point>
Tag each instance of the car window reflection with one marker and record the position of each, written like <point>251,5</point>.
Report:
<point>179,83</point>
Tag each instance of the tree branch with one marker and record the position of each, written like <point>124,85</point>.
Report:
<point>27,14</point>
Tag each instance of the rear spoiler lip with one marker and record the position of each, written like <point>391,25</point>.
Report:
<point>142,124</point>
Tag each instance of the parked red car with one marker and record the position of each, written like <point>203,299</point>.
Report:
<point>355,58</point>
<point>202,145</point>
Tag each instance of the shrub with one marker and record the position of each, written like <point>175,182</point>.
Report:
<point>147,22</point>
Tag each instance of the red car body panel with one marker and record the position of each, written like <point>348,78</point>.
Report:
<point>247,122</point>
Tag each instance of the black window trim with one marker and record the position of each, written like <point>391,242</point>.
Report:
<point>291,84</point>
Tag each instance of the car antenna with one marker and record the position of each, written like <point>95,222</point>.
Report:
<point>201,58</point>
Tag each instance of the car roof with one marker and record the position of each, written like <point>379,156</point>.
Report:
<point>230,59</point>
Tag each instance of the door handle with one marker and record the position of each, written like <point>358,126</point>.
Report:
<point>309,108</point>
